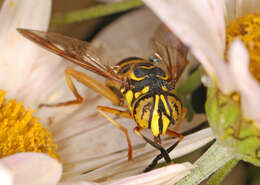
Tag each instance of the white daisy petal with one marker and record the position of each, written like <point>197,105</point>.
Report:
<point>6,176</point>
<point>171,173</point>
<point>33,168</point>
<point>248,87</point>
<point>15,51</point>
<point>119,167</point>
<point>26,68</point>
<point>95,143</point>
<point>28,72</point>
<point>37,12</point>
<point>138,32</point>
<point>77,183</point>
<point>206,23</point>
<point>166,175</point>
<point>192,21</point>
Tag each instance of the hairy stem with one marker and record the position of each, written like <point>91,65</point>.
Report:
<point>217,177</point>
<point>216,157</point>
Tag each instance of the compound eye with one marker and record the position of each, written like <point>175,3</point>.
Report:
<point>155,58</point>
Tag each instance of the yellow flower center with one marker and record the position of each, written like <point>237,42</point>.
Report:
<point>248,30</point>
<point>20,131</point>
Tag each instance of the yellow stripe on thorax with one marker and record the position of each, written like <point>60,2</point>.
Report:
<point>133,77</point>
<point>132,61</point>
<point>147,67</point>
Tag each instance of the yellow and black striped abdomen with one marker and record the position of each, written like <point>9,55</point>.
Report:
<point>157,111</point>
<point>150,96</point>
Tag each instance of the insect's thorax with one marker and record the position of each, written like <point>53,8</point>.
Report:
<point>151,99</point>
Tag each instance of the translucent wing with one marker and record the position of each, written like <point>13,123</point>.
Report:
<point>76,51</point>
<point>170,51</point>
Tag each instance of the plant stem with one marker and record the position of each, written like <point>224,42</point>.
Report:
<point>189,85</point>
<point>217,177</point>
<point>214,158</point>
<point>186,87</point>
<point>95,11</point>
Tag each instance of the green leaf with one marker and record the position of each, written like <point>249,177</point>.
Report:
<point>191,84</point>
<point>187,87</point>
<point>95,11</point>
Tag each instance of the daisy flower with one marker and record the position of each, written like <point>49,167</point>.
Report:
<point>224,37</point>
<point>66,145</point>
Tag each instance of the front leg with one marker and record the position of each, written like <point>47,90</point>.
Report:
<point>119,113</point>
<point>87,81</point>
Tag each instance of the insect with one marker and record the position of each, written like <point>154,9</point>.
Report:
<point>144,88</point>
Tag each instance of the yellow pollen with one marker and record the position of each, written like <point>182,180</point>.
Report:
<point>20,131</point>
<point>248,30</point>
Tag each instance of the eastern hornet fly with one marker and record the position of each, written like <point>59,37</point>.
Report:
<point>144,87</point>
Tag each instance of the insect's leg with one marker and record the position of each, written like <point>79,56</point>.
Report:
<point>116,112</point>
<point>183,114</point>
<point>102,110</point>
<point>89,82</point>
<point>164,153</point>
<point>170,133</point>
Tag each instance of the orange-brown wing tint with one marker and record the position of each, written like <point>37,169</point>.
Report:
<point>170,50</point>
<point>76,51</point>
